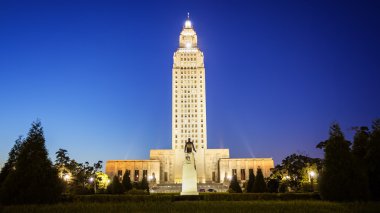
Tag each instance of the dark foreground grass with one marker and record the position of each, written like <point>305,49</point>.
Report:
<point>200,206</point>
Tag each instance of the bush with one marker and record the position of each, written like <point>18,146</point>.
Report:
<point>127,181</point>
<point>251,182</point>
<point>138,192</point>
<point>273,185</point>
<point>259,185</point>
<point>102,198</point>
<point>234,186</point>
<point>116,187</point>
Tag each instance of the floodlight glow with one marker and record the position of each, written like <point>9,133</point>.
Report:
<point>229,177</point>
<point>312,174</point>
<point>188,45</point>
<point>91,179</point>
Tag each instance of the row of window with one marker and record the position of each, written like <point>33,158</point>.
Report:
<point>195,130</point>
<point>189,105</point>
<point>187,54</point>
<point>185,130</point>
<point>135,176</point>
<point>187,115</point>
<point>187,71</point>
<point>188,136</point>
<point>189,121</point>
<point>188,59</point>
<point>187,96</point>
<point>188,110</point>
<point>242,173</point>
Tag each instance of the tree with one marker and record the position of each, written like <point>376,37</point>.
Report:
<point>144,184</point>
<point>273,185</point>
<point>340,179</point>
<point>234,186</point>
<point>251,181</point>
<point>116,186</point>
<point>372,158</point>
<point>259,185</point>
<point>360,145</point>
<point>127,181</point>
<point>10,165</point>
<point>34,180</point>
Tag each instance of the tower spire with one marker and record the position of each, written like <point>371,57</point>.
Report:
<point>188,22</point>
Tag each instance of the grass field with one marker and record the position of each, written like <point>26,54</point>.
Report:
<point>200,206</point>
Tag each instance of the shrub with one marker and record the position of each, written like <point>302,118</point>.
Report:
<point>259,185</point>
<point>234,186</point>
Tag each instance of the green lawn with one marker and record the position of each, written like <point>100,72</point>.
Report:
<point>200,206</point>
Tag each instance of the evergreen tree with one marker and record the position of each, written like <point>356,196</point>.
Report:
<point>360,145</point>
<point>340,179</point>
<point>259,185</point>
<point>372,158</point>
<point>234,186</point>
<point>34,180</point>
<point>251,182</point>
<point>127,182</point>
<point>144,184</point>
<point>10,165</point>
<point>117,187</point>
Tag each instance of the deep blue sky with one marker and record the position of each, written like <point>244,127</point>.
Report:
<point>98,74</point>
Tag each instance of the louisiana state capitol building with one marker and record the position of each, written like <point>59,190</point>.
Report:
<point>189,121</point>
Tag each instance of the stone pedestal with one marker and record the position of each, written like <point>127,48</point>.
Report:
<point>189,176</point>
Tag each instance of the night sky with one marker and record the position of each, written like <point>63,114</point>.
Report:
<point>98,74</point>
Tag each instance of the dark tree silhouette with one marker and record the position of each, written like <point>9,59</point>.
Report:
<point>116,186</point>
<point>251,182</point>
<point>259,185</point>
<point>372,158</point>
<point>127,181</point>
<point>34,180</point>
<point>10,165</point>
<point>234,185</point>
<point>340,179</point>
<point>144,184</point>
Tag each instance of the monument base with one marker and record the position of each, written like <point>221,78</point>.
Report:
<point>189,193</point>
<point>189,176</point>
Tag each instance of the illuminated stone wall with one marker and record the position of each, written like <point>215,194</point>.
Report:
<point>227,165</point>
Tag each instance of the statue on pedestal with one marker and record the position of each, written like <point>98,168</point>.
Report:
<point>189,172</point>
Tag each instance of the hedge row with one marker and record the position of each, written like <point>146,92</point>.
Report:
<point>102,198</point>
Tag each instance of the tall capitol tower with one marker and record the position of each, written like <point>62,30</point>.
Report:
<point>188,92</point>
<point>164,166</point>
<point>189,100</point>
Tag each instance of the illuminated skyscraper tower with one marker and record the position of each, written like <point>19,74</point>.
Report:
<point>189,98</point>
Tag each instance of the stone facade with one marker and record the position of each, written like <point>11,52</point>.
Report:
<point>189,121</point>
<point>241,166</point>
<point>137,169</point>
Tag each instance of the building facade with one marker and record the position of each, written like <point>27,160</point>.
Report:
<point>189,121</point>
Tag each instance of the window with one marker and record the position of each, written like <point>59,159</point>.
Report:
<point>213,177</point>
<point>119,173</point>
<point>136,175</point>
<point>145,173</point>
<point>128,173</point>
<point>165,176</point>
<point>234,172</point>
<point>242,174</point>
